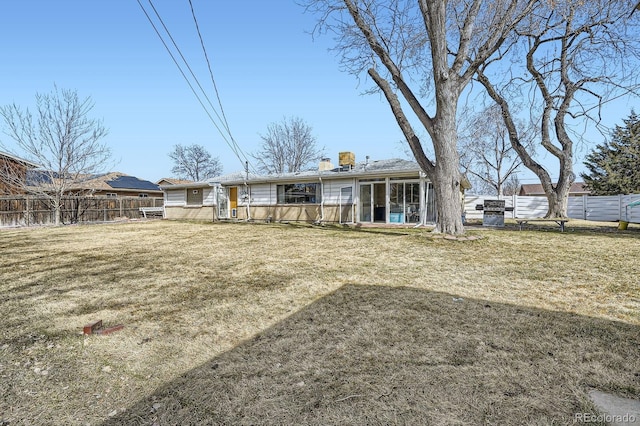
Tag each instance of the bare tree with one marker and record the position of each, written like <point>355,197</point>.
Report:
<point>60,138</point>
<point>486,153</point>
<point>194,162</point>
<point>512,185</point>
<point>427,51</point>
<point>288,146</point>
<point>572,56</point>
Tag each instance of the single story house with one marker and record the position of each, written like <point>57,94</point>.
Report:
<point>535,189</point>
<point>392,191</point>
<point>13,173</point>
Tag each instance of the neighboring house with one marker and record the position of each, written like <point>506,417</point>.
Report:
<point>386,191</point>
<point>535,189</point>
<point>115,184</point>
<point>13,173</point>
<point>172,181</point>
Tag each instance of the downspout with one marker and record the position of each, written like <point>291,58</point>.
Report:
<point>321,199</point>
<point>424,200</point>
<point>246,190</point>
<point>269,212</point>
<point>248,200</point>
<point>215,202</point>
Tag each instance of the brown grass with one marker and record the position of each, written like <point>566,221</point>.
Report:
<point>255,323</point>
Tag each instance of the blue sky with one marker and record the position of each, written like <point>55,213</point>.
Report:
<point>265,64</point>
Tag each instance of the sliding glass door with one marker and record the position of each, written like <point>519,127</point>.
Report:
<point>373,202</point>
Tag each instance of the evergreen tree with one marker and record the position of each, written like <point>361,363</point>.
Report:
<point>614,167</point>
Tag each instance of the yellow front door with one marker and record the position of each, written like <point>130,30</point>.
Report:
<point>233,201</point>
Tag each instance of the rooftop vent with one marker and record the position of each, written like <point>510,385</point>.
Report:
<point>348,159</point>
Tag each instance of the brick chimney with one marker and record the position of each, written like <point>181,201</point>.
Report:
<point>325,164</point>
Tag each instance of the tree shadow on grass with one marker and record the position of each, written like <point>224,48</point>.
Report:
<point>380,355</point>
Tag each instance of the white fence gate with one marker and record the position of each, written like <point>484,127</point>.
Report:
<point>587,207</point>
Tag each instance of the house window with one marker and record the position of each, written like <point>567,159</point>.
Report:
<point>299,193</point>
<point>404,202</point>
<point>111,194</point>
<point>194,197</point>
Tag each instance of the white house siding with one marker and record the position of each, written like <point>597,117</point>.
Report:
<point>262,194</point>
<point>176,197</point>
<point>209,196</point>
<point>332,190</point>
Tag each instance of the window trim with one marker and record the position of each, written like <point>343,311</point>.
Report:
<point>284,195</point>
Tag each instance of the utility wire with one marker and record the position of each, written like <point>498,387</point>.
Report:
<point>184,59</point>
<point>234,147</point>
<point>206,57</point>
<point>213,81</point>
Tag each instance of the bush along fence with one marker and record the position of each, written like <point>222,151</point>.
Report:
<point>598,208</point>
<point>33,211</point>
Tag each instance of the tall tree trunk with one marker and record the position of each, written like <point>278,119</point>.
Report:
<point>558,195</point>
<point>447,174</point>
<point>448,202</point>
<point>557,205</point>
<point>57,207</point>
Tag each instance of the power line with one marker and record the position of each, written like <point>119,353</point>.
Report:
<point>235,148</point>
<point>213,82</point>
<point>206,57</point>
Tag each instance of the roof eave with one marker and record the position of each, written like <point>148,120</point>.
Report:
<point>323,175</point>
<point>187,185</point>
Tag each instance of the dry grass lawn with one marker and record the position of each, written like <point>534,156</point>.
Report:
<point>294,324</point>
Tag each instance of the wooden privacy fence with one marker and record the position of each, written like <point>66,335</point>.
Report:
<point>28,210</point>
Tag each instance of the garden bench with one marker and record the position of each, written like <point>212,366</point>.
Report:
<point>559,221</point>
<point>152,211</point>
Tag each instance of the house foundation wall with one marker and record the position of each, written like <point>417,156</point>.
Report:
<point>189,213</point>
<point>296,213</point>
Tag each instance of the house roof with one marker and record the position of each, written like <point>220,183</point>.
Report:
<point>132,182</point>
<point>18,160</point>
<point>172,181</point>
<point>115,180</point>
<point>577,188</point>
<point>371,168</point>
<point>377,168</point>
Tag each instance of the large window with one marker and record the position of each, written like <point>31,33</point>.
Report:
<point>194,197</point>
<point>404,202</point>
<point>299,193</point>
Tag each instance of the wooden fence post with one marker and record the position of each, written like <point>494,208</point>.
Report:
<point>27,221</point>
